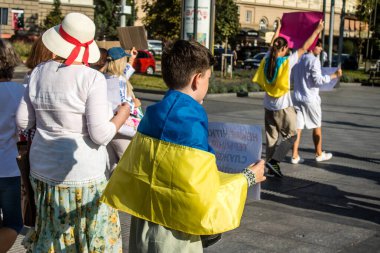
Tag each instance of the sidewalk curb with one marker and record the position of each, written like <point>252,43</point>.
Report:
<point>349,85</point>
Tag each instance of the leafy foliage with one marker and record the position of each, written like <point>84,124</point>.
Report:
<point>163,19</point>
<point>364,10</point>
<point>226,20</point>
<point>54,17</point>
<point>107,18</point>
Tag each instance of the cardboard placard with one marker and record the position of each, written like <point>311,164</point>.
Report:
<point>297,27</point>
<point>330,85</point>
<point>236,146</point>
<point>133,36</point>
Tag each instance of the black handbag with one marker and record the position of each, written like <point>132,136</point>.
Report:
<point>208,240</point>
<point>28,205</point>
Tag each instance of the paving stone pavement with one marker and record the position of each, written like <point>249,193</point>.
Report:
<point>317,207</point>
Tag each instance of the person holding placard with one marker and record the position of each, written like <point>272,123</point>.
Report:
<point>307,77</point>
<point>168,179</point>
<point>273,75</point>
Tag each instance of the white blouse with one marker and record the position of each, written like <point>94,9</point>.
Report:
<point>68,105</point>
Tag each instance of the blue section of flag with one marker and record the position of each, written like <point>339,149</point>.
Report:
<point>178,119</point>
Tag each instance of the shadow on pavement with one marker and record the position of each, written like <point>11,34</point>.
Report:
<point>345,123</point>
<point>321,197</point>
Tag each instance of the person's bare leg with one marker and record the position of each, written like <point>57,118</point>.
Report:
<point>7,238</point>
<point>297,143</point>
<point>317,139</point>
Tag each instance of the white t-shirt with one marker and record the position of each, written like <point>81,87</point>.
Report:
<point>275,104</point>
<point>69,106</point>
<point>10,96</point>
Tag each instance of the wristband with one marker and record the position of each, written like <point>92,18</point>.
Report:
<point>250,176</point>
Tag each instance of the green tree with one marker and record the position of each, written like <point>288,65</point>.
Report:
<point>226,20</point>
<point>365,11</point>
<point>107,18</point>
<point>54,17</point>
<point>163,19</point>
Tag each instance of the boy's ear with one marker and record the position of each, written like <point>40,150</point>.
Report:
<point>194,82</point>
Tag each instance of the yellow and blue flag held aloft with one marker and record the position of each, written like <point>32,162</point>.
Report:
<point>168,174</point>
<point>279,84</point>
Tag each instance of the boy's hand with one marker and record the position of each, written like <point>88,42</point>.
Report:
<point>338,73</point>
<point>258,169</point>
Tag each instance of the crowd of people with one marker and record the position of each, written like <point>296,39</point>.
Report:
<point>94,152</point>
<point>78,105</point>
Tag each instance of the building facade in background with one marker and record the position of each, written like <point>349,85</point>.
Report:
<point>24,15</point>
<point>263,15</point>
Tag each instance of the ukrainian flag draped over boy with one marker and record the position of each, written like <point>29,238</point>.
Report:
<point>168,174</point>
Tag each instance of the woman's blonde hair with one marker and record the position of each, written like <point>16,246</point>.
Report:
<point>117,68</point>
<point>39,53</point>
<point>8,60</point>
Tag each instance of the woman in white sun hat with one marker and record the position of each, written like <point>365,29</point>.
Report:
<point>67,101</point>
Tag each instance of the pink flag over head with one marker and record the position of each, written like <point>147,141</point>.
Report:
<point>297,27</point>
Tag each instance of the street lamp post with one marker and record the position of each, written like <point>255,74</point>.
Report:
<point>341,31</point>
<point>331,32</point>
<point>122,14</point>
<point>323,31</point>
<point>369,31</point>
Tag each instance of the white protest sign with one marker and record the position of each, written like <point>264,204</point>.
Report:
<point>236,146</point>
<point>329,86</point>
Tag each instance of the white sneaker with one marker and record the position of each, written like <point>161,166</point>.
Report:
<point>297,160</point>
<point>323,157</point>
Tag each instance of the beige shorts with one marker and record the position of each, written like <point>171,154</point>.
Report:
<point>309,115</point>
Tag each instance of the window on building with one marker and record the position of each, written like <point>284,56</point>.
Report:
<point>248,16</point>
<point>263,24</point>
<point>238,10</point>
<point>3,16</point>
<point>18,19</point>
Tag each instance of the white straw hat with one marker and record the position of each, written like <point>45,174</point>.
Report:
<point>70,39</point>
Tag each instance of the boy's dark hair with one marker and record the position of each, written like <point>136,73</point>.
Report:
<point>319,43</point>
<point>183,59</point>
<point>8,60</point>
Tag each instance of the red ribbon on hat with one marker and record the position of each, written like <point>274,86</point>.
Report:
<point>74,54</point>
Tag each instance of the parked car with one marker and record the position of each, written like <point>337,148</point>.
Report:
<point>248,52</point>
<point>155,47</point>
<point>254,62</point>
<point>348,62</point>
<point>144,62</point>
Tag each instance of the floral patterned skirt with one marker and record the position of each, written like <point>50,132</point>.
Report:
<point>71,219</point>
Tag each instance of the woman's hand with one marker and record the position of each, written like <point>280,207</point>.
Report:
<point>124,110</point>
<point>258,170</point>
